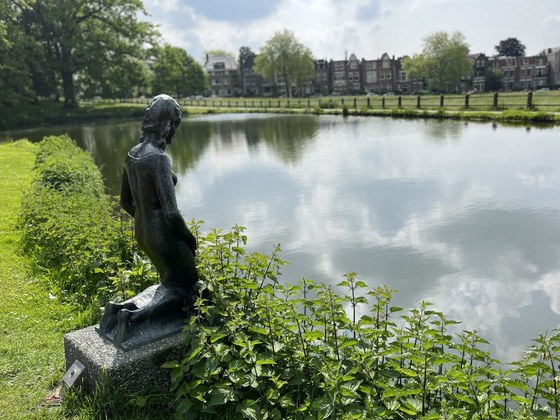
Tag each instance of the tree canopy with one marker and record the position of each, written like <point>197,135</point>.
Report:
<point>511,47</point>
<point>284,59</point>
<point>176,73</point>
<point>84,37</point>
<point>443,61</point>
<point>81,47</point>
<point>246,56</point>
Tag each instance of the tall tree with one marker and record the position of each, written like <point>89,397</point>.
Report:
<point>494,79</point>
<point>443,61</point>
<point>246,56</point>
<point>82,36</point>
<point>122,77</point>
<point>16,85</point>
<point>284,57</point>
<point>246,61</point>
<point>175,72</point>
<point>511,47</point>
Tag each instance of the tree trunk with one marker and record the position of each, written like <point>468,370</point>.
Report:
<point>67,81</point>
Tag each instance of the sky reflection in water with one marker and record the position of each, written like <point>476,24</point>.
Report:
<point>463,215</point>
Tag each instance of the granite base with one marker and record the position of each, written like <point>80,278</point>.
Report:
<point>109,367</point>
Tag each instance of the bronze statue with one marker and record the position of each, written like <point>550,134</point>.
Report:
<point>148,195</point>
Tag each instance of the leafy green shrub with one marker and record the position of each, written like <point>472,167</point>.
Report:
<point>263,349</point>
<point>63,167</point>
<point>525,116</point>
<point>70,226</point>
<point>330,104</point>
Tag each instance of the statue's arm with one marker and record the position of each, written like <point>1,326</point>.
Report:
<point>127,201</point>
<point>163,177</point>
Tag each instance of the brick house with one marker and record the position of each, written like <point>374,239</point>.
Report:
<point>379,75</point>
<point>223,75</point>
<point>345,76</point>
<point>553,57</point>
<point>518,73</point>
<point>322,81</point>
<point>480,70</point>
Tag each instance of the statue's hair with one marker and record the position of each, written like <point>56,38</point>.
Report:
<point>162,110</point>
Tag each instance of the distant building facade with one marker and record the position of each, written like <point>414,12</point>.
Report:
<point>553,57</point>
<point>223,75</point>
<point>515,73</point>
<point>352,76</point>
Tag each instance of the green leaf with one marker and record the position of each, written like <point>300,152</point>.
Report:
<point>249,413</point>
<point>220,396</point>
<point>183,407</point>
<point>266,362</point>
<point>258,330</point>
<point>170,365</point>
<point>348,343</point>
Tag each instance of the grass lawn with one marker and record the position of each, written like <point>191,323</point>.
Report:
<point>32,324</point>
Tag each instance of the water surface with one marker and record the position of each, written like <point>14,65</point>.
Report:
<point>465,215</point>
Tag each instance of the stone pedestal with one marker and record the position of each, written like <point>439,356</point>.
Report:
<point>109,367</point>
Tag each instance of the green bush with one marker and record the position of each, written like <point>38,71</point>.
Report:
<point>330,104</point>
<point>79,240</point>
<point>263,349</point>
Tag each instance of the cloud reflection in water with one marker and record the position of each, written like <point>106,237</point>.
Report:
<point>458,214</point>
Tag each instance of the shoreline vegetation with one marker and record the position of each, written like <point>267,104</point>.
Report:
<point>508,108</point>
<point>261,348</point>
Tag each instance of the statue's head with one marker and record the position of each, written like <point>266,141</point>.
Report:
<point>163,116</point>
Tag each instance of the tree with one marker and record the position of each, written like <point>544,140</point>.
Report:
<point>511,47</point>
<point>283,57</point>
<point>123,77</point>
<point>15,77</point>
<point>246,61</point>
<point>175,72</point>
<point>246,56</point>
<point>494,79</point>
<point>443,61</point>
<point>80,37</point>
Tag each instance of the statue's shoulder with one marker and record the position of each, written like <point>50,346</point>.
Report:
<point>147,154</point>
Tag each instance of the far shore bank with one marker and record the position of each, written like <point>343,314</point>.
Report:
<point>52,114</point>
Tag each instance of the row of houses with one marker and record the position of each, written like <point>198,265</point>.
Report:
<point>354,76</point>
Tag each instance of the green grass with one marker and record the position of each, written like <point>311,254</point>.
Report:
<point>542,101</point>
<point>32,324</point>
<point>49,113</point>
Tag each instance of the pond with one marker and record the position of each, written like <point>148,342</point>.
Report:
<point>464,215</point>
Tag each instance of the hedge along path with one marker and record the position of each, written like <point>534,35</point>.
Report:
<point>32,322</point>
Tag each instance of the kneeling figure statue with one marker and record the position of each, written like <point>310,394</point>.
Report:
<point>148,195</point>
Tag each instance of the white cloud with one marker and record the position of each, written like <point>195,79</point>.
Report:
<point>366,27</point>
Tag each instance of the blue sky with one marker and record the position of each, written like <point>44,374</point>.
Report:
<point>368,28</point>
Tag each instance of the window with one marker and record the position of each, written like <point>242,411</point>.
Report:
<point>368,65</point>
<point>382,76</point>
<point>353,65</point>
<point>371,77</point>
<point>388,76</point>
<point>386,64</point>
